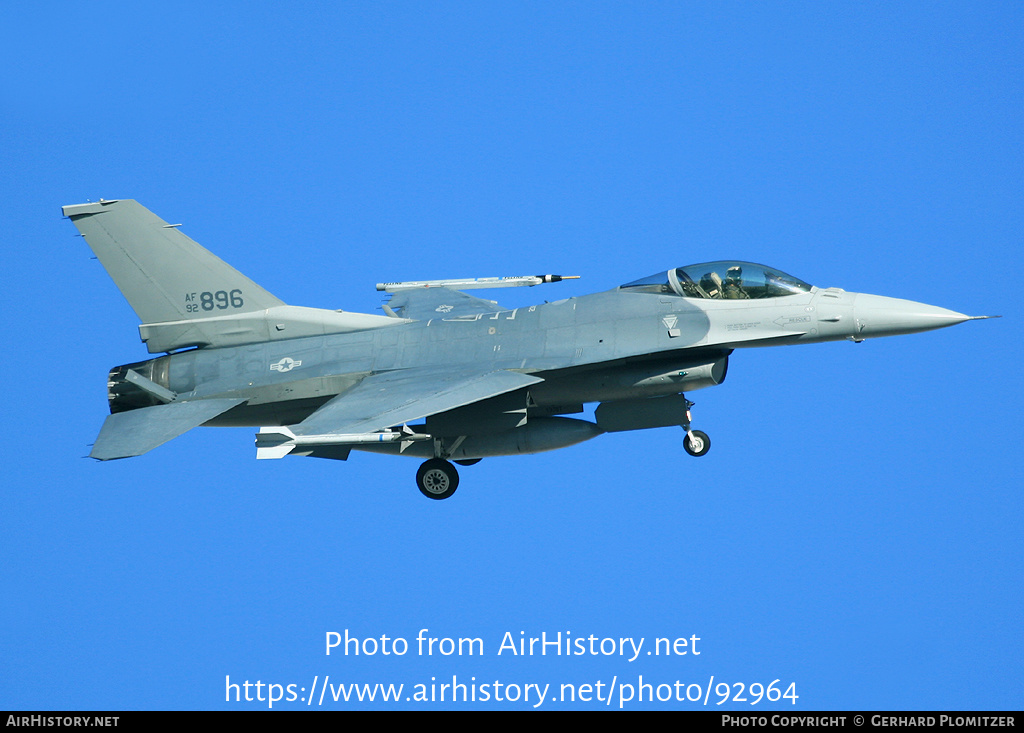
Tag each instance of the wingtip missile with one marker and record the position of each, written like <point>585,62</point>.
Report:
<point>476,283</point>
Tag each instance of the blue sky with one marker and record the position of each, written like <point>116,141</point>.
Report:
<point>854,529</point>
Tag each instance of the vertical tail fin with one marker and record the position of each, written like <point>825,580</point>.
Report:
<point>185,295</point>
<point>163,274</point>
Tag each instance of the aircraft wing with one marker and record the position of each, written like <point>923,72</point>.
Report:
<point>438,302</point>
<point>395,398</point>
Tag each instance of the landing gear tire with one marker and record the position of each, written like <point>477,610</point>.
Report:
<point>697,443</point>
<point>437,479</point>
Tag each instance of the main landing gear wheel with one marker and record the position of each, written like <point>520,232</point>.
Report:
<point>437,479</point>
<point>697,443</point>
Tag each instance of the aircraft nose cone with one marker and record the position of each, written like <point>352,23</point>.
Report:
<point>877,315</point>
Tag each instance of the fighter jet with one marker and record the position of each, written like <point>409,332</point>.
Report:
<point>442,376</point>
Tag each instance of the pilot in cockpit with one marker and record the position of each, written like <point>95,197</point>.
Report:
<point>733,286</point>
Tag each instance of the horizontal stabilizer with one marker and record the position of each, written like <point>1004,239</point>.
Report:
<point>132,433</point>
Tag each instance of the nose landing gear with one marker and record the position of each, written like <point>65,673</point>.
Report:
<point>696,442</point>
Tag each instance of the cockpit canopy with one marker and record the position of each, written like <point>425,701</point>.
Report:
<point>721,280</point>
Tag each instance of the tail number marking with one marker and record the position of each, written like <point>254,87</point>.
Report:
<point>207,301</point>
